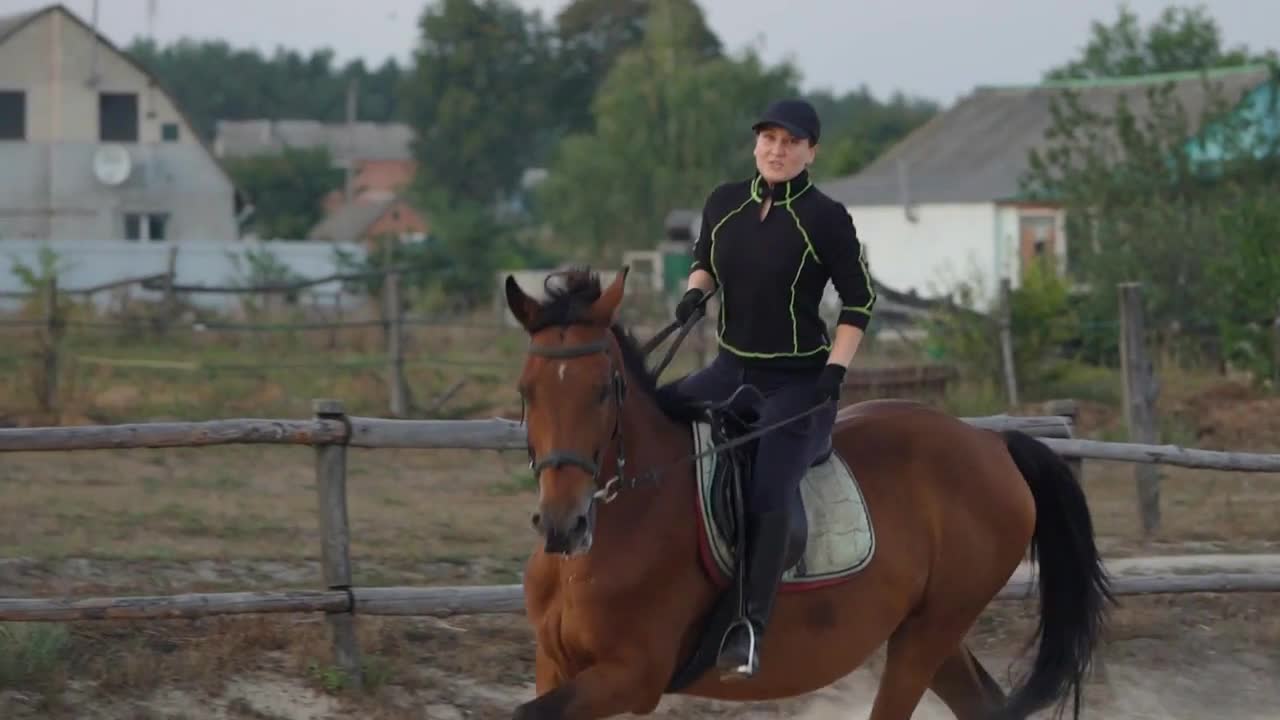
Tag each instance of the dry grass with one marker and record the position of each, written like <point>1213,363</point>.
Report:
<point>1200,510</point>
<point>413,513</point>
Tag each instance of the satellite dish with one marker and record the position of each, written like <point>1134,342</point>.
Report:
<point>112,164</point>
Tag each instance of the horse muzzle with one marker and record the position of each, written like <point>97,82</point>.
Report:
<point>567,530</point>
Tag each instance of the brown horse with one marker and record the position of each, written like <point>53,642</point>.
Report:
<point>617,597</point>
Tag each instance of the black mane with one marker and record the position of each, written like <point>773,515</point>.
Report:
<point>568,303</point>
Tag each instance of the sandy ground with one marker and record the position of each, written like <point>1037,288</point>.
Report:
<point>1185,657</point>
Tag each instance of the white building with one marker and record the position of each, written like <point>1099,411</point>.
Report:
<point>944,206</point>
<point>92,148</point>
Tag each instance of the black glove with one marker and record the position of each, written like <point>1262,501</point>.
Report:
<point>688,304</point>
<point>828,386</point>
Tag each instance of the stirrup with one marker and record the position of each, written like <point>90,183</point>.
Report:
<point>745,670</point>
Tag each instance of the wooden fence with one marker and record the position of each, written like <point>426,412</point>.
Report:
<point>330,432</point>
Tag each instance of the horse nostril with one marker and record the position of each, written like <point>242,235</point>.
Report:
<point>537,521</point>
<point>581,525</point>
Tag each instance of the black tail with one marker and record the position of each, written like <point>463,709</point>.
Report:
<point>1074,588</point>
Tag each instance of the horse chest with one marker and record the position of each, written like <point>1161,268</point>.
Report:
<point>567,630</point>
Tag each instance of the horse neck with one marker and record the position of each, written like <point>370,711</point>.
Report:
<point>652,443</point>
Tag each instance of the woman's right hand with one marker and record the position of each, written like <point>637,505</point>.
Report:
<point>688,304</point>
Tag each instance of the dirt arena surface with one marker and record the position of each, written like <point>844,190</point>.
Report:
<point>243,518</point>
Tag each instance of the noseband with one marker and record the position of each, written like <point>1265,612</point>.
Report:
<point>560,458</point>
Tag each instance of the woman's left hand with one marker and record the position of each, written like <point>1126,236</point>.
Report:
<point>828,387</point>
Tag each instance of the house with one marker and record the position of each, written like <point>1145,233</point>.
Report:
<point>379,160</point>
<point>93,148</point>
<point>378,156</point>
<point>944,205</point>
<point>375,214</point>
<point>372,175</point>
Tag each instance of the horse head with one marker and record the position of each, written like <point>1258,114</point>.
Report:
<point>572,385</point>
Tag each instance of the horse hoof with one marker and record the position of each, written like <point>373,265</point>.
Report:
<point>535,711</point>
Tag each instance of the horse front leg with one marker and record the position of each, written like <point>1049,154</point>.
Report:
<point>606,689</point>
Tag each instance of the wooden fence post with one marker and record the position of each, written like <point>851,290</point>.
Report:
<point>1006,342</point>
<point>1069,409</point>
<point>398,403</point>
<point>1140,390</point>
<point>335,542</point>
<point>169,308</point>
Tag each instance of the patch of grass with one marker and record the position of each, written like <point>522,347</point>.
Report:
<point>522,480</point>
<point>33,656</point>
<point>974,397</point>
<point>1084,382</point>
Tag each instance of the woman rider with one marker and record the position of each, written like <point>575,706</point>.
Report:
<point>771,243</point>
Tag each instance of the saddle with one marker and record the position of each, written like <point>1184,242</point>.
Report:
<point>831,538</point>
<point>732,474</point>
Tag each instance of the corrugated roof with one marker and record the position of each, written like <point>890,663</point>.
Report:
<point>348,223</point>
<point>361,141</point>
<point>977,150</point>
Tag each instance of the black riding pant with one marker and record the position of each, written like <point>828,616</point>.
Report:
<point>784,453</point>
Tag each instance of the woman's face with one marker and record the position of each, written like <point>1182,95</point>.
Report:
<point>780,155</point>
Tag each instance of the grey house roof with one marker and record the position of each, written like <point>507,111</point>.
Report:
<point>977,150</point>
<point>362,141</point>
<point>348,222</point>
<point>10,23</point>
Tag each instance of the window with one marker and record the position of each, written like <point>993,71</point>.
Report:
<point>13,115</point>
<point>1038,239</point>
<point>169,132</point>
<point>146,226</point>
<point>118,117</point>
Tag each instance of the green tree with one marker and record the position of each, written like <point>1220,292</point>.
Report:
<point>669,125</point>
<point>1143,205</point>
<point>591,34</point>
<point>1180,39</point>
<point>476,97</point>
<point>286,190</point>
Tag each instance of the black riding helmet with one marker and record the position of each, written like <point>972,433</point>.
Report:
<point>795,115</point>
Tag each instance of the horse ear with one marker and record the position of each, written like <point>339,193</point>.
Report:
<point>605,309</point>
<point>523,307</point>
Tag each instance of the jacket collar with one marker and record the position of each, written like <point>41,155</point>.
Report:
<point>784,192</point>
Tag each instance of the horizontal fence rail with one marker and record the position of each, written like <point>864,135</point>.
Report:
<point>1165,455</point>
<point>443,602</point>
<point>366,432</point>
<point>500,434</point>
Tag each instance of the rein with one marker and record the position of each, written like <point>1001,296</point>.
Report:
<point>609,491</point>
<point>698,311</point>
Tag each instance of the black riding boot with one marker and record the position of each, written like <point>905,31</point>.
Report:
<point>766,539</point>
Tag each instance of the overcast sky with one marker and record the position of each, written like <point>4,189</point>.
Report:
<point>934,48</point>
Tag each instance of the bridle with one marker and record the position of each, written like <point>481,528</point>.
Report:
<point>618,387</point>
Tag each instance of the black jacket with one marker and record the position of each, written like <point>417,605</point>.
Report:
<point>772,273</point>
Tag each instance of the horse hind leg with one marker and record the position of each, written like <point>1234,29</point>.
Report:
<point>918,650</point>
<point>966,687</point>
